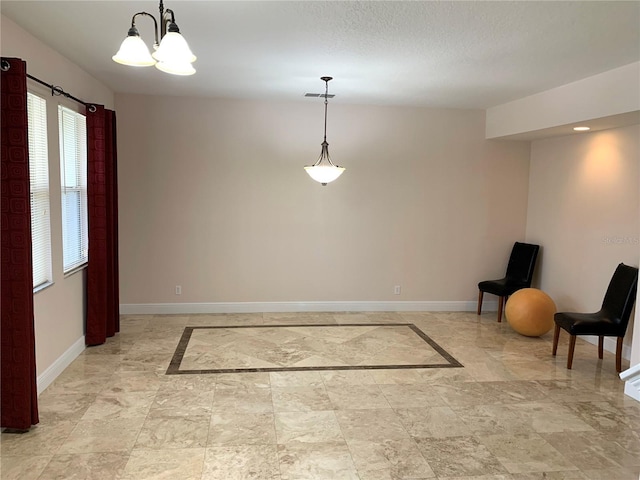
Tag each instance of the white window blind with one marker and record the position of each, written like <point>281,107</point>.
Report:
<point>73,173</point>
<point>39,189</point>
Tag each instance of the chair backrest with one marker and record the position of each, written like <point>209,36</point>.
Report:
<point>621,294</point>
<point>522,263</point>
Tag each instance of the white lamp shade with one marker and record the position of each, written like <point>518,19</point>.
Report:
<point>174,49</point>
<point>134,52</point>
<point>176,68</point>
<point>324,173</point>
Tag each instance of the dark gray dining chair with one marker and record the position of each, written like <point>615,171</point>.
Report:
<point>610,321</point>
<point>522,263</point>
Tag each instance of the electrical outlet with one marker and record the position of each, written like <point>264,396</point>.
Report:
<point>396,290</point>
<point>178,289</point>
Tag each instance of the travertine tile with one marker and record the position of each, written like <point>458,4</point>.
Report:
<point>459,456</point>
<point>61,407</point>
<point>420,375</point>
<point>300,399</point>
<point>241,462</point>
<point>94,436</point>
<point>307,427</point>
<point>620,473</point>
<point>86,466</point>
<point>119,405</point>
<point>335,378</point>
<point>230,428</point>
<point>433,422</point>
<point>411,396</point>
<point>318,461</point>
<point>492,419</point>
<point>173,464</point>
<point>401,457</point>
<point>296,379</point>
<point>352,397</point>
<point>246,379</point>
<point>23,468</point>
<point>593,451</point>
<point>42,439</point>
<point>567,475</point>
<point>181,403</point>
<point>370,424</point>
<point>524,453</point>
<point>124,382</point>
<point>173,432</point>
<point>242,398</point>
<point>549,417</point>
<point>189,382</point>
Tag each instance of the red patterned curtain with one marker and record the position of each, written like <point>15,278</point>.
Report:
<point>18,388</point>
<point>103,312</point>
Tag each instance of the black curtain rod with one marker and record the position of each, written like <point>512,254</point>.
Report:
<point>55,90</point>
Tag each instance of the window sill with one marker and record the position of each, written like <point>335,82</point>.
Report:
<point>75,270</point>
<point>42,287</point>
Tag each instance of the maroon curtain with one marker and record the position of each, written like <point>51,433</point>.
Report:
<point>103,311</point>
<point>18,388</point>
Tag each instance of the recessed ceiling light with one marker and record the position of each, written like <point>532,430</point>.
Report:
<point>582,129</point>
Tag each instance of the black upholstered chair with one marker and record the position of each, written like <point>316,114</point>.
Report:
<point>519,274</point>
<point>610,321</point>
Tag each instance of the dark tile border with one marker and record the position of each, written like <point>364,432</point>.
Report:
<point>174,366</point>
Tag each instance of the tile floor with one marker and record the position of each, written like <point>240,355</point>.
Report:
<point>513,412</point>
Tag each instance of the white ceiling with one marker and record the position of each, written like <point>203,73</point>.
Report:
<point>439,54</point>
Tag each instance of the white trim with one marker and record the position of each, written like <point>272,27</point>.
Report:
<point>256,307</point>
<point>609,344</point>
<point>63,361</point>
<point>631,376</point>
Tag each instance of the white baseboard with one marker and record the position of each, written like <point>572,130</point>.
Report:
<point>56,368</point>
<point>257,307</point>
<point>609,345</point>
<point>631,376</point>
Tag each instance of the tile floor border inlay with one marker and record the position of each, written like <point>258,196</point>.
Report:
<point>181,349</point>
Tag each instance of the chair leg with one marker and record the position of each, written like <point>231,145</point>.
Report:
<point>556,336</point>
<point>572,346</point>
<point>619,354</point>
<point>600,346</point>
<point>500,307</point>
<point>480,295</point>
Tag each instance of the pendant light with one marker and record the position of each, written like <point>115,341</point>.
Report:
<point>324,170</point>
<point>171,55</point>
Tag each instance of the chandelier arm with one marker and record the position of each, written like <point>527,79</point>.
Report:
<point>155,24</point>
<point>167,19</point>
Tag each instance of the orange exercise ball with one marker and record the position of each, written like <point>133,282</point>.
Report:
<point>530,311</point>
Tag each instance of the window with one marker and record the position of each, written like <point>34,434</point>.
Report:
<point>39,187</point>
<point>73,177</point>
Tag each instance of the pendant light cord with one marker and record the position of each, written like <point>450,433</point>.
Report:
<point>326,102</point>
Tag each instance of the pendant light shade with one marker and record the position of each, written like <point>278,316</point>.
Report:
<point>174,48</point>
<point>324,170</point>
<point>176,68</point>
<point>134,51</point>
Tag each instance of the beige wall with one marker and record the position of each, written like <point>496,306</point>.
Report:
<point>59,309</point>
<point>213,197</point>
<point>584,211</point>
